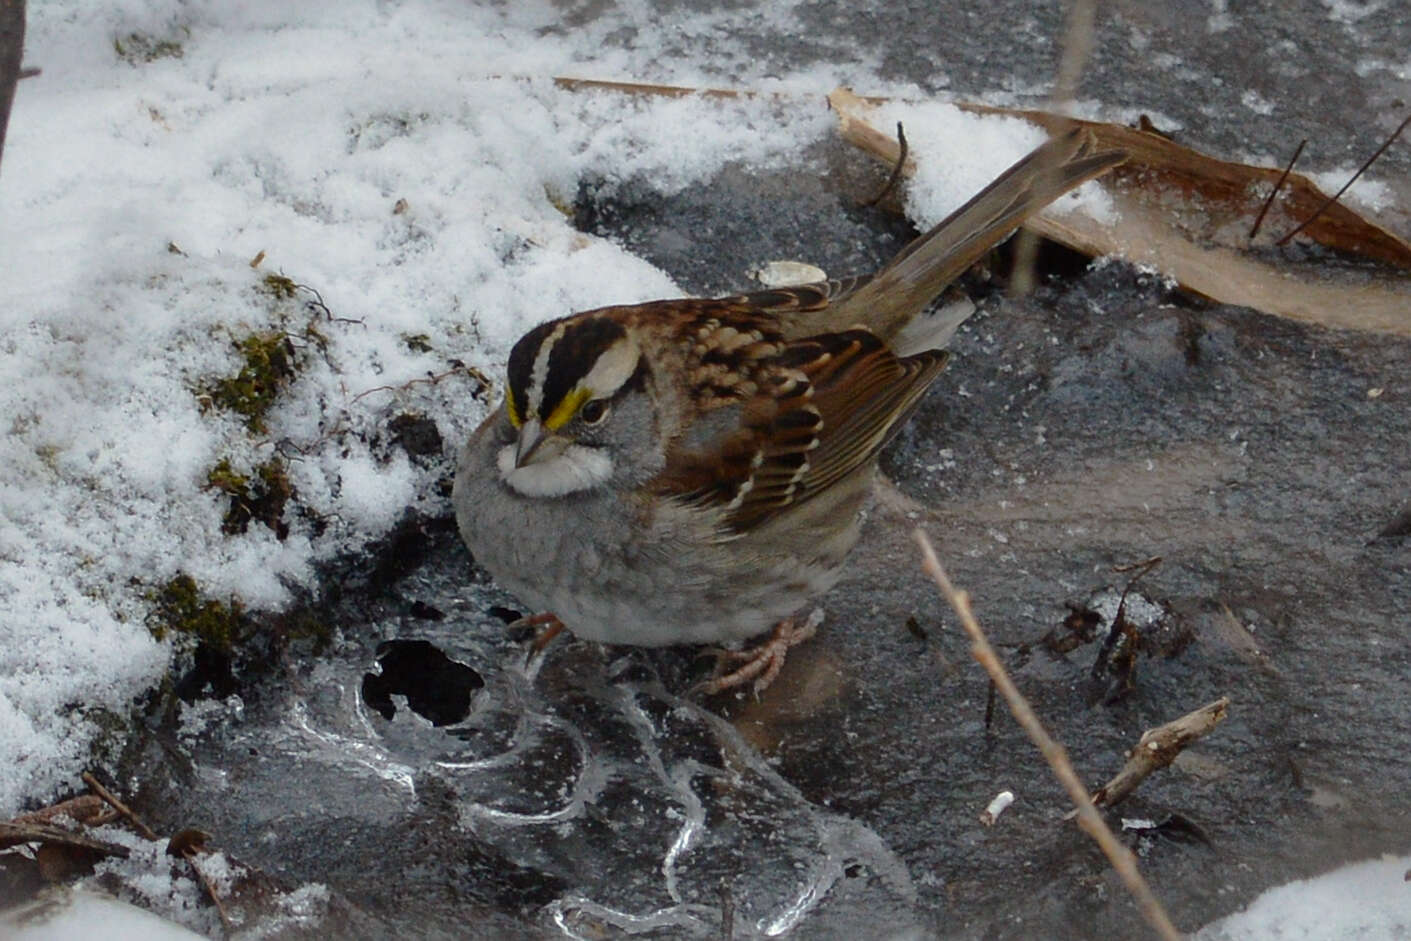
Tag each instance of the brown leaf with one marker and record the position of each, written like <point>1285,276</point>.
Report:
<point>1216,200</point>
<point>87,809</point>
<point>187,841</point>
<point>1188,215</point>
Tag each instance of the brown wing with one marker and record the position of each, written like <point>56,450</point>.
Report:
<point>795,309</point>
<point>825,406</point>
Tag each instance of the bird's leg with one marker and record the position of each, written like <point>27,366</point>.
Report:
<point>763,662</point>
<point>547,626</point>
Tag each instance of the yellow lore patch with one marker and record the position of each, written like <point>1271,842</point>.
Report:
<point>567,408</point>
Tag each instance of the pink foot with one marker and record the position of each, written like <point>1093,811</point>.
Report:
<point>548,626</point>
<point>763,662</point>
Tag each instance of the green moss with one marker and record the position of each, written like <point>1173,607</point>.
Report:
<point>269,362</point>
<point>180,608</point>
<point>417,342</point>
<point>305,625</point>
<point>259,497</point>
<point>278,286</point>
<point>226,479</point>
<point>137,48</point>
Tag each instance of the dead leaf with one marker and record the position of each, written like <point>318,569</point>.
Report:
<point>1188,215</point>
<point>188,841</point>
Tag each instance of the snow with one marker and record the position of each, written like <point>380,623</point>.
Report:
<point>1367,194</point>
<point>86,913</point>
<point>1366,900</point>
<point>958,152</point>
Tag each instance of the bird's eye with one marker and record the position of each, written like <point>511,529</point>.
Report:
<point>593,411</point>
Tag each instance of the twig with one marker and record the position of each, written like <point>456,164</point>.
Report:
<point>1259,219</point>
<point>1157,748</point>
<point>16,834</point>
<point>643,88</point>
<point>1141,568</point>
<point>1088,817</point>
<point>431,379</point>
<point>119,806</point>
<point>1078,36</point>
<point>853,129</point>
<point>897,169</point>
<point>1120,629</point>
<point>189,844</point>
<point>1338,195</point>
<point>317,304</point>
<point>190,856</point>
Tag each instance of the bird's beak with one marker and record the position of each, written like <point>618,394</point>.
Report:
<point>531,435</point>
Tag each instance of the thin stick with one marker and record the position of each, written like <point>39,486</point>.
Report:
<point>897,169</point>
<point>119,806</point>
<point>1158,747</point>
<point>430,380</point>
<point>643,88</point>
<point>1338,195</point>
<point>1088,817</point>
<point>17,834</point>
<point>190,857</point>
<point>1259,220</point>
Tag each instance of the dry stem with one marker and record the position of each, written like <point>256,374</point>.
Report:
<point>1158,747</point>
<point>1278,185</point>
<point>16,834</point>
<point>119,806</point>
<point>190,857</point>
<point>1353,179</point>
<point>1088,817</point>
<point>149,834</point>
<point>898,170</point>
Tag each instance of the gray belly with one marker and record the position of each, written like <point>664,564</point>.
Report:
<point>616,575</point>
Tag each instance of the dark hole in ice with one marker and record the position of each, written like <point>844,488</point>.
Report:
<point>508,615</point>
<point>437,688</point>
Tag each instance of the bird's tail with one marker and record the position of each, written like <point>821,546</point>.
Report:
<point>890,300</point>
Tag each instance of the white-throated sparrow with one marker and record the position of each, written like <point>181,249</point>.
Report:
<point>691,471</point>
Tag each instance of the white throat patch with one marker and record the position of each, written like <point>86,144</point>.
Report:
<point>577,468</point>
